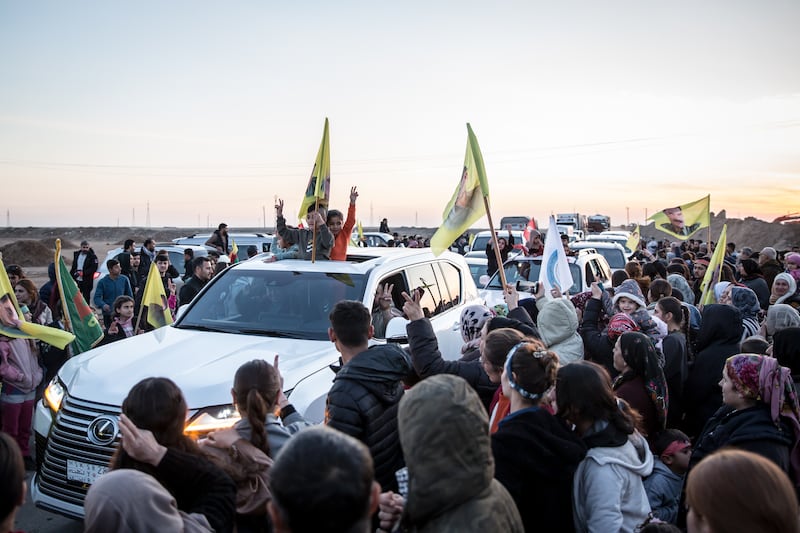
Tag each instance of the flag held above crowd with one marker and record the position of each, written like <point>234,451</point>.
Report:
<point>714,267</point>
<point>554,271</point>
<point>78,316</point>
<point>155,299</point>
<point>467,204</point>
<point>684,220</point>
<point>319,183</point>
<point>633,241</point>
<point>12,320</point>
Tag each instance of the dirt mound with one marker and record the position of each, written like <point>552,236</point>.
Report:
<point>27,253</point>
<point>50,242</point>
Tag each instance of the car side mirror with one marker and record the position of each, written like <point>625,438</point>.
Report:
<point>396,330</point>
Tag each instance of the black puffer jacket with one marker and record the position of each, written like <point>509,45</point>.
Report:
<point>428,361</point>
<point>598,347</point>
<point>363,403</point>
<point>750,429</point>
<point>718,339</point>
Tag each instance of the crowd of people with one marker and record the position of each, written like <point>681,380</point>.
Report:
<point>632,407</point>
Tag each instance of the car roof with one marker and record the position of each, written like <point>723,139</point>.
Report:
<point>359,261</point>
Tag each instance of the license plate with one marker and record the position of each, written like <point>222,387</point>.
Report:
<point>84,472</point>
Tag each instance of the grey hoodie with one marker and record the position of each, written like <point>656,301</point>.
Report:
<point>608,493</point>
<point>558,327</point>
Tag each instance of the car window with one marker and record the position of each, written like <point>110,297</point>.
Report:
<point>449,281</point>
<point>529,271</point>
<point>422,277</point>
<point>273,303</point>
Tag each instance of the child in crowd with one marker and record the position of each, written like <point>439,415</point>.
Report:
<point>283,248</point>
<point>122,321</point>
<point>341,230</point>
<point>317,233</point>
<point>673,451</point>
<point>13,487</point>
<point>628,299</point>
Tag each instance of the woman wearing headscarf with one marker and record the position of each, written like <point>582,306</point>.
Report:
<point>718,339</point>
<point>686,296</point>
<point>641,381</point>
<point>746,301</point>
<point>792,262</point>
<point>784,291</point>
<point>779,316</point>
<point>760,413</point>
<point>753,279</point>
<point>473,317</point>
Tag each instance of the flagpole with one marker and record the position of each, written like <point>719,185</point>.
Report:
<point>501,269</point>
<point>314,231</point>
<point>64,310</point>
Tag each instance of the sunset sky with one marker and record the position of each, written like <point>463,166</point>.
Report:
<point>209,110</point>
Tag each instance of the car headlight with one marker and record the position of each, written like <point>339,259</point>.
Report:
<point>54,393</point>
<point>212,419</point>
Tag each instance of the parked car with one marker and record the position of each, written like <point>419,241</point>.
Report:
<point>254,309</point>
<point>373,239</point>
<point>587,267</point>
<point>262,241</point>
<point>482,238</point>
<point>620,239</point>
<point>613,252</point>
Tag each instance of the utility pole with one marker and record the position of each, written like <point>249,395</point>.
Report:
<point>628,216</point>
<point>133,217</point>
<point>371,215</point>
<point>147,218</point>
<point>264,216</point>
<point>8,218</point>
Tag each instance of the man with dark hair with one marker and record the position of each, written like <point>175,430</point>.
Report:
<point>108,288</point>
<point>219,239</point>
<point>124,257</point>
<point>148,255</point>
<point>84,265</point>
<point>202,272</point>
<point>252,251</point>
<point>367,389</point>
<point>323,480</point>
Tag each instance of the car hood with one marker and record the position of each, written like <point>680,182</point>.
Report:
<point>201,363</point>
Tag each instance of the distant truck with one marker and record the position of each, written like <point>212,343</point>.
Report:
<point>517,222</point>
<point>576,220</point>
<point>598,223</point>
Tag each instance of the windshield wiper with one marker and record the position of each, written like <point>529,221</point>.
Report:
<point>203,328</point>
<point>271,333</point>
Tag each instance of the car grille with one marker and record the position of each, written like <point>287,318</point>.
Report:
<point>68,440</point>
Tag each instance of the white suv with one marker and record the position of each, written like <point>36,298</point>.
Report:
<point>254,309</point>
<point>586,267</point>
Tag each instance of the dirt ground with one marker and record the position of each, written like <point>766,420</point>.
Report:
<point>33,248</point>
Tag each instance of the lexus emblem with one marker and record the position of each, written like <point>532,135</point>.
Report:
<point>103,430</point>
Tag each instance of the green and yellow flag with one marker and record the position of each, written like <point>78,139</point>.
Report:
<point>78,316</point>
<point>714,268</point>
<point>633,240</point>
<point>319,184</point>
<point>467,204</point>
<point>683,221</point>
<point>155,299</point>
<point>13,324</point>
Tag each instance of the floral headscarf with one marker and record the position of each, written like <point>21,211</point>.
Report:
<point>762,378</point>
<point>619,324</point>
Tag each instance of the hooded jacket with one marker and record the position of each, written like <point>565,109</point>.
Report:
<point>363,403</point>
<point>536,456</point>
<point>558,327</point>
<point>444,431</point>
<point>663,489</point>
<point>718,339</point>
<point>608,494</point>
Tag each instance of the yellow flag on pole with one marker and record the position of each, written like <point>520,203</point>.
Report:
<point>633,240</point>
<point>467,204</point>
<point>319,183</point>
<point>684,220</point>
<point>155,299</point>
<point>714,269</point>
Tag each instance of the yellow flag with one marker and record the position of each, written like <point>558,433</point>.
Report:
<point>633,240</point>
<point>25,330</point>
<point>467,204</point>
<point>714,268</point>
<point>319,183</point>
<point>683,221</point>
<point>155,299</point>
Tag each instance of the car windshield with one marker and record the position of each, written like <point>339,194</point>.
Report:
<point>274,303</point>
<point>529,271</point>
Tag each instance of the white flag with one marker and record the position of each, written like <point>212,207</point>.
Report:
<point>555,269</point>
